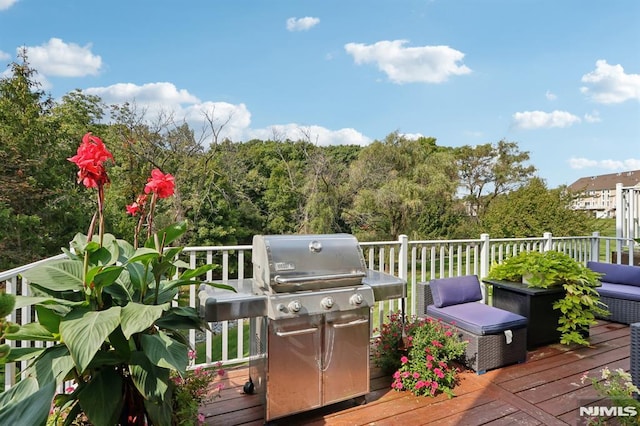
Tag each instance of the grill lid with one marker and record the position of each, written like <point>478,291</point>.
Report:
<point>287,263</point>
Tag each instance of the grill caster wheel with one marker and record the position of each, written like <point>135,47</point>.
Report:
<point>248,387</point>
<point>360,400</point>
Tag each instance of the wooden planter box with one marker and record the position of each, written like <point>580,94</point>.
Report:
<point>534,303</point>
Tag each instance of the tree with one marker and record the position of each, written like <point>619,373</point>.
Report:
<point>487,171</point>
<point>395,183</point>
<point>532,210</point>
<point>36,199</point>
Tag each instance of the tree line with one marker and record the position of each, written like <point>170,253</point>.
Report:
<point>229,190</point>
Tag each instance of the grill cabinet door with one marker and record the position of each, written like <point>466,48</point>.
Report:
<point>293,382</point>
<point>346,355</point>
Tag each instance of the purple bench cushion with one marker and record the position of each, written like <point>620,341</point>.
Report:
<point>455,290</point>
<point>478,318</point>
<point>620,291</point>
<point>616,274</point>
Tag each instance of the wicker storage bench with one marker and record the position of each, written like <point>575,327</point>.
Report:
<point>620,290</point>
<point>634,358</point>
<point>496,337</point>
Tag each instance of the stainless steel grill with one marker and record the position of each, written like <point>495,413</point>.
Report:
<point>311,297</point>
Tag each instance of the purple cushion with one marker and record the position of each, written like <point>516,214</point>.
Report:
<point>478,318</point>
<point>619,291</point>
<point>616,274</point>
<point>455,290</point>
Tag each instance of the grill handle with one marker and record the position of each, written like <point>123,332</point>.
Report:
<point>284,280</point>
<point>296,332</point>
<point>351,324</point>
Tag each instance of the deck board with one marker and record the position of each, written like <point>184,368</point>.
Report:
<point>544,390</point>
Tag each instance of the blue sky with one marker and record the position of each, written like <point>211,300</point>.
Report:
<point>559,77</point>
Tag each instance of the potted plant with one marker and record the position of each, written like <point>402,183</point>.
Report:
<point>108,314</point>
<point>580,304</point>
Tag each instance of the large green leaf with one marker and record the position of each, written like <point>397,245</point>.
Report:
<point>52,365</point>
<point>170,233</point>
<point>107,276</point>
<point>23,301</point>
<point>165,352</point>
<point>137,276</point>
<point>192,273</point>
<point>33,331</point>
<point>57,275</point>
<point>84,331</point>
<point>23,354</point>
<point>26,403</point>
<point>137,317</point>
<point>144,255</point>
<point>49,319</point>
<point>150,380</point>
<point>181,318</point>
<point>101,398</point>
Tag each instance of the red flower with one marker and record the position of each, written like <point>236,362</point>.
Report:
<point>133,209</point>
<point>161,184</point>
<point>89,158</point>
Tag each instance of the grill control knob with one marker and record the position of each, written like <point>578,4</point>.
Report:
<point>327,302</point>
<point>356,299</point>
<point>295,306</point>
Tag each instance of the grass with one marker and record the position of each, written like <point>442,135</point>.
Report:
<point>216,348</point>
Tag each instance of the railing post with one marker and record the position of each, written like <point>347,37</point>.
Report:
<point>621,214</point>
<point>595,247</point>
<point>548,241</point>
<point>403,269</point>
<point>485,262</point>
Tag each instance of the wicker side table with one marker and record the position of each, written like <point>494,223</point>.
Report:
<point>635,353</point>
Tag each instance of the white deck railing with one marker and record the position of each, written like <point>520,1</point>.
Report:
<point>414,261</point>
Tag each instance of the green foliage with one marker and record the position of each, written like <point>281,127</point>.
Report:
<point>107,310</point>
<point>581,303</point>
<point>532,210</point>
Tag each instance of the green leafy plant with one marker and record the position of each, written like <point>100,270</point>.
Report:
<point>616,386</point>
<point>581,303</point>
<point>108,315</point>
<point>427,365</point>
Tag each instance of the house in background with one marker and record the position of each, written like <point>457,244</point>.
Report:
<point>597,194</point>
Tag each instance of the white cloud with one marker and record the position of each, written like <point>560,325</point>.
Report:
<point>412,136</point>
<point>302,24</point>
<point>608,84</point>
<point>57,58</point>
<point>628,164</point>
<point>314,134</point>
<point>550,96</point>
<point>529,120</point>
<point>151,93</point>
<point>594,117</point>
<point>424,64</point>
<point>232,121</point>
<point>6,4</point>
<point>4,56</point>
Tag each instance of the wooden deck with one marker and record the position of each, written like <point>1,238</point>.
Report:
<point>546,390</point>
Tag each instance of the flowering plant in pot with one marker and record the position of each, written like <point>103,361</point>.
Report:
<point>428,364</point>
<point>107,313</point>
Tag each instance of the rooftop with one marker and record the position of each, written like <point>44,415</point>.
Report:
<point>608,181</point>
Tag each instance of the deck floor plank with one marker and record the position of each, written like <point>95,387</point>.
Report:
<point>544,390</point>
